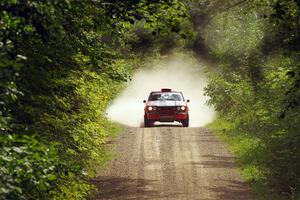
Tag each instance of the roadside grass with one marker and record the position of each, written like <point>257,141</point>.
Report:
<point>250,154</point>
<point>113,129</point>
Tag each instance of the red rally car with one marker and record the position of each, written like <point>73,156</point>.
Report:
<point>166,106</point>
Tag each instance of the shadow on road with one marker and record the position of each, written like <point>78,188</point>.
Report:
<point>126,188</point>
<point>218,161</point>
<point>233,190</point>
<point>162,124</point>
<point>167,125</point>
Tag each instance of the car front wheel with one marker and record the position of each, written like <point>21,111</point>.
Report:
<point>185,123</point>
<point>147,123</point>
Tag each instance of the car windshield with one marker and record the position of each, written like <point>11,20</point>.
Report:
<point>166,96</point>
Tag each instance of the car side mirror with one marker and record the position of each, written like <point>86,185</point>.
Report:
<point>144,101</point>
<point>188,100</point>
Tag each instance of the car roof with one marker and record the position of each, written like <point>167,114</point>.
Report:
<point>165,92</point>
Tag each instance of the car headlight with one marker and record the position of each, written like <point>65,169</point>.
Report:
<point>151,108</point>
<point>181,108</point>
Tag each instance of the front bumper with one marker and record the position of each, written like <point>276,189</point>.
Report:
<point>166,118</point>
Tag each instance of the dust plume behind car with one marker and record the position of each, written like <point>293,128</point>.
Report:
<point>180,72</point>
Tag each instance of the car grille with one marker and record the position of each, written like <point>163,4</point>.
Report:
<point>166,110</point>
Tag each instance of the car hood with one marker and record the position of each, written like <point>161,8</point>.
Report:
<point>166,103</point>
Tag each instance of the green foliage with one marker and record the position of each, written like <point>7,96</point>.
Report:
<point>236,33</point>
<point>251,155</point>
<point>27,167</point>
<point>256,86</point>
<point>61,63</point>
<point>71,187</point>
<point>152,25</point>
<point>265,115</point>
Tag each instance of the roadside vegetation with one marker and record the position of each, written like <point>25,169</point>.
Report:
<point>255,87</point>
<point>61,63</point>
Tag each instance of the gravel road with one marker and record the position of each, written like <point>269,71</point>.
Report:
<point>170,163</point>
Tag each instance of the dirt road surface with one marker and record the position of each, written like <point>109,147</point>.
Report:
<point>170,163</point>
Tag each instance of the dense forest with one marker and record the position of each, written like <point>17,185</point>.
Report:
<point>256,88</point>
<point>63,61</point>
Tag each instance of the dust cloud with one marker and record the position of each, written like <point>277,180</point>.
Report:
<point>180,72</point>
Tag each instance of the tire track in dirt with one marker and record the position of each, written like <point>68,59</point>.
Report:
<point>170,163</point>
